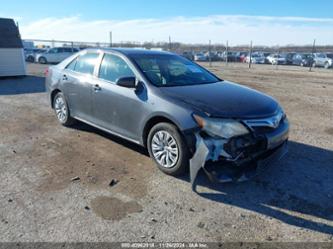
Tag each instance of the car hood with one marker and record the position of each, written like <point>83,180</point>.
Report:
<point>224,99</point>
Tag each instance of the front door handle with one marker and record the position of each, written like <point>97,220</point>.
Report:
<point>97,88</point>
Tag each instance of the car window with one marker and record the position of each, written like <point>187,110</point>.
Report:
<point>53,50</point>
<point>70,50</point>
<point>85,63</point>
<point>71,66</point>
<point>172,70</point>
<point>113,67</point>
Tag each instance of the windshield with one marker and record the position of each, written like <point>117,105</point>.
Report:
<point>172,70</point>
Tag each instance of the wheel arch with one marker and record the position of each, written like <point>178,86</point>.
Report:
<point>52,95</point>
<point>151,122</point>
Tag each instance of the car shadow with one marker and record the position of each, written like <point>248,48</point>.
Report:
<point>88,128</point>
<point>291,190</point>
<point>22,85</point>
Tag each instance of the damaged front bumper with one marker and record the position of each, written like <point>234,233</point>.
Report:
<point>222,162</point>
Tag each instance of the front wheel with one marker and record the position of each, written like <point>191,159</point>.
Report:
<point>61,110</point>
<point>327,65</point>
<point>167,148</point>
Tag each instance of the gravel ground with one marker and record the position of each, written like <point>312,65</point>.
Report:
<point>55,181</point>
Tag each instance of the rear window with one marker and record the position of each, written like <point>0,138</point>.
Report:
<point>84,63</point>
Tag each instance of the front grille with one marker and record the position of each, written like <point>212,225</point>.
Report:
<point>262,129</point>
<point>265,125</point>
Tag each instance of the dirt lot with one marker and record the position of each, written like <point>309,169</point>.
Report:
<point>40,200</point>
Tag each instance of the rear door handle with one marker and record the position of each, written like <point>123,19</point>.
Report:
<point>97,88</point>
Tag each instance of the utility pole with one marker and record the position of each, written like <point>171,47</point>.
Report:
<point>250,62</point>
<point>110,34</point>
<point>313,51</point>
<point>209,54</point>
<point>169,43</point>
<point>277,61</point>
<point>226,50</point>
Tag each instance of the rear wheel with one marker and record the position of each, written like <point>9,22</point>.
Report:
<point>30,59</point>
<point>42,60</point>
<point>167,148</point>
<point>61,110</point>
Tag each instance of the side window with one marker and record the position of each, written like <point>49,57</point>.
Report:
<point>52,50</point>
<point>85,63</point>
<point>113,68</point>
<point>71,66</point>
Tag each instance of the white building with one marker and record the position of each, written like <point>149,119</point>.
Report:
<point>12,60</point>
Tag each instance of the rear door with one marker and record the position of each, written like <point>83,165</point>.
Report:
<point>77,81</point>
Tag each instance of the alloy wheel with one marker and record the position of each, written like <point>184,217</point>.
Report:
<point>165,149</point>
<point>60,109</point>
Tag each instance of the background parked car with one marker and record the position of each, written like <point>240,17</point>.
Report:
<point>321,60</point>
<point>200,57</point>
<point>242,56</point>
<point>277,59</point>
<point>266,54</point>
<point>55,55</point>
<point>256,58</point>
<point>188,55</point>
<point>303,60</point>
<point>289,58</point>
<point>213,56</point>
<point>330,55</point>
<point>30,54</point>
<point>231,56</point>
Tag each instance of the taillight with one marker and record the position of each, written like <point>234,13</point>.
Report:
<point>46,73</point>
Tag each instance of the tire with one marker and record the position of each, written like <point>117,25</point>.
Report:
<point>42,60</point>
<point>30,59</point>
<point>179,165</point>
<point>61,110</point>
<point>327,65</point>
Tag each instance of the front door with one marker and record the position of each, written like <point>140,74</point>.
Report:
<point>117,108</point>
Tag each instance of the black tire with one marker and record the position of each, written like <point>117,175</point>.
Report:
<point>68,120</point>
<point>182,164</point>
<point>30,59</point>
<point>327,65</point>
<point>42,60</point>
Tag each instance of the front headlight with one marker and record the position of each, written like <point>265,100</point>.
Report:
<point>225,128</point>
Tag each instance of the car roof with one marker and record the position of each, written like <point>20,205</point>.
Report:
<point>132,51</point>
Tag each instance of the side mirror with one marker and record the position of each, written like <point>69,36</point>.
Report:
<point>129,82</point>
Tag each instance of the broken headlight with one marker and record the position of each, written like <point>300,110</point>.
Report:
<point>225,128</point>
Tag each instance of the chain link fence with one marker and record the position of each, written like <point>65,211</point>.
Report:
<point>249,53</point>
